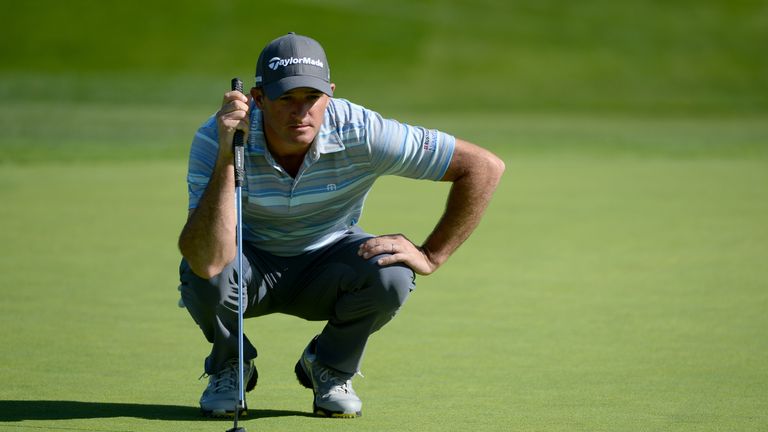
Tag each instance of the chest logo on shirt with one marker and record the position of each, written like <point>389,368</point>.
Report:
<point>331,187</point>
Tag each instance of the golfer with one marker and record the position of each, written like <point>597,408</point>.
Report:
<point>310,161</point>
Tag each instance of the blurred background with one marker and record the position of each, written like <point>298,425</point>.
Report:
<point>617,282</point>
<point>169,62</point>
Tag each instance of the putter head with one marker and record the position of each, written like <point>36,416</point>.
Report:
<point>237,429</point>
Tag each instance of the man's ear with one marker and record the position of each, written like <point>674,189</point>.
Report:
<point>258,96</point>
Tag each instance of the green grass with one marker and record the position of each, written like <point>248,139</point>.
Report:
<point>421,55</point>
<point>66,131</point>
<point>618,281</point>
<point>600,293</point>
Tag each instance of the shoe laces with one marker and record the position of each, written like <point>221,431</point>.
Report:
<point>226,380</point>
<point>338,384</point>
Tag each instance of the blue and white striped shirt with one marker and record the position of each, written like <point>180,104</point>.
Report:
<point>289,216</point>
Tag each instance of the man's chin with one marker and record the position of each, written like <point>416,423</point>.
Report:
<point>304,139</point>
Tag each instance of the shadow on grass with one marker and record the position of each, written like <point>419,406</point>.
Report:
<point>17,410</point>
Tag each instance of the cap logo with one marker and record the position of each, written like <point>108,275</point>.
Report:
<point>275,62</point>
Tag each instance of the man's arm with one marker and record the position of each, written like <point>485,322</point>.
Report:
<point>475,173</point>
<point>207,240</point>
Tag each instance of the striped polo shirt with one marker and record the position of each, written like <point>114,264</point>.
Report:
<point>288,216</point>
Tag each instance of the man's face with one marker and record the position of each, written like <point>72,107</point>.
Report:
<point>292,120</point>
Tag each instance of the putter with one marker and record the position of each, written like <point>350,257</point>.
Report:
<point>239,154</point>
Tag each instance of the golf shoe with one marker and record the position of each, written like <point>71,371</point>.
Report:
<point>221,395</point>
<point>333,392</point>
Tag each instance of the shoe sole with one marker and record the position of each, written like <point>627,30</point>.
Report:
<point>305,381</point>
<point>250,385</point>
<point>323,413</point>
<point>225,413</point>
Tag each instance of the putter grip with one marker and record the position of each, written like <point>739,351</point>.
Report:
<point>237,143</point>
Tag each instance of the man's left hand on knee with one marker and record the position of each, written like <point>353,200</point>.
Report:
<point>396,248</point>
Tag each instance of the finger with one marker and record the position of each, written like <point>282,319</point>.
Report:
<point>235,106</point>
<point>390,248</point>
<point>373,244</point>
<point>389,238</point>
<point>367,245</point>
<point>235,120</point>
<point>392,259</point>
<point>368,250</point>
<point>384,239</point>
<point>414,262</point>
<point>244,126</point>
<point>231,124</point>
<point>234,95</point>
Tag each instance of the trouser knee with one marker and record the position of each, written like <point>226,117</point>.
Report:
<point>219,291</point>
<point>392,285</point>
<point>196,290</point>
<point>209,300</point>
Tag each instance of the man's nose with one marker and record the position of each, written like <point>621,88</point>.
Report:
<point>299,109</point>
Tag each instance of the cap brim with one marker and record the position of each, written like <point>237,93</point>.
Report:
<point>276,89</point>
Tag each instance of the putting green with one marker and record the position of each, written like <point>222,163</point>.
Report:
<point>617,283</point>
<point>599,293</point>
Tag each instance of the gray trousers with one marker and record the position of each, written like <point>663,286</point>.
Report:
<point>355,295</point>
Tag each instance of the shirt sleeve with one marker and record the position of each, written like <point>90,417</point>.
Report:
<point>202,159</point>
<point>408,151</point>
